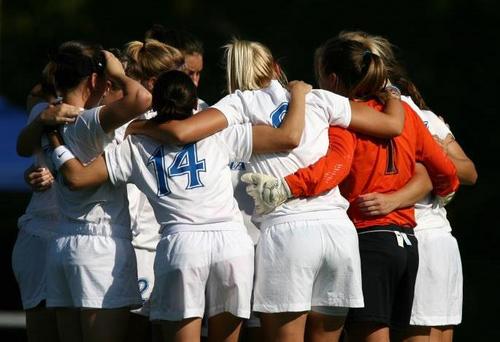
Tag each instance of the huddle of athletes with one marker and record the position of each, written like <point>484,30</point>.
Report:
<point>139,213</point>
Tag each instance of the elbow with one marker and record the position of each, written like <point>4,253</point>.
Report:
<point>73,183</point>
<point>291,141</point>
<point>21,152</point>
<point>396,129</point>
<point>179,137</point>
<point>470,179</point>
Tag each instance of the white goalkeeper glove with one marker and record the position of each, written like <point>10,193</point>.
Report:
<point>268,192</point>
<point>444,200</point>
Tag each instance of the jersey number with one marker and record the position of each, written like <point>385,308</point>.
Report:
<point>185,163</point>
<point>391,168</point>
<point>278,114</point>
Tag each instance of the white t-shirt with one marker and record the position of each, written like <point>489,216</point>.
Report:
<point>188,186</point>
<point>268,106</point>
<point>428,213</point>
<point>42,204</point>
<point>102,210</point>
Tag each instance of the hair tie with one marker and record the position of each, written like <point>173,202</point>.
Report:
<point>367,54</point>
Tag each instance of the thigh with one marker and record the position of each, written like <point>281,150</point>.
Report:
<point>367,332</point>
<point>108,325</point>
<point>186,330</point>
<point>224,327</point>
<point>324,328</point>
<point>69,324</point>
<point>287,326</point>
<point>41,324</point>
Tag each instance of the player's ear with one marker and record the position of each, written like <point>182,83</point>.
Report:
<point>150,83</point>
<point>92,81</point>
<point>277,70</point>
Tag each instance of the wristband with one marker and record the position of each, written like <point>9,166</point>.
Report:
<point>61,155</point>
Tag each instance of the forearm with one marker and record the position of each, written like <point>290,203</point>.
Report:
<point>287,136</point>
<point>415,190</point>
<point>77,177</point>
<point>135,101</point>
<point>329,171</point>
<point>29,139</point>
<point>466,170</point>
<point>181,132</point>
<point>292,126</point>
<point>368,121</point>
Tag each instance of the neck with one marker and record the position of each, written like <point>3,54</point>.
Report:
<point>74,98</point>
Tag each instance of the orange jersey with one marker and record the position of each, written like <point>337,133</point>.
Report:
<point>367,164</point>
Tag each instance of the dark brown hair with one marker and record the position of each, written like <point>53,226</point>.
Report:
<point>74,61</point>
<point>359,72</point>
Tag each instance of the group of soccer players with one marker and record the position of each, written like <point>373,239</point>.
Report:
<point>140,211</point>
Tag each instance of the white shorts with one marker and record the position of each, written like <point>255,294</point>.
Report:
<point>146,278</point>
<point>203,272</point>
<point>307,263</point>
<point>89,271</point>
<point>29,258</point>
<point>438,288</point>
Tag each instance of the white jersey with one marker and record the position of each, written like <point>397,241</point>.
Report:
<point>188,186</point>
<point>268,106</point>
<point>245,202</point>
<point>201,105</point>
<point>102,210</point>
<point>145,228</point>
<point>428,213</point>
<point>43,204</point>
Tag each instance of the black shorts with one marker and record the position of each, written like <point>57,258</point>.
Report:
<point>389,264</point>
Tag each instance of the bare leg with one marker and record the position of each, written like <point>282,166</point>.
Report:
<point>68,325</point>
<point>447,333</point>
<point>323,328</point>
<point>442,334</point>
<point>41,324</point>
<point>253,334</point>
<point>139,328</point>
<point>224,328</point>
<point>104,325</point>
<point>368,332</point>
<point>284,327</point>
<point>412,334</point>
<point>187,330</point>
<point>157,335</point>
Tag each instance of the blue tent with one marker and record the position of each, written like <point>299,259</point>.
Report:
<point>12,120</point>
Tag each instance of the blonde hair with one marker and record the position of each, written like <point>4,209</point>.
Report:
<point>250,66</point>
<point>150,58</point>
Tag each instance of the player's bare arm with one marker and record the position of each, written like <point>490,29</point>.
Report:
<point>76,175</point>
<point>374,204</point>
<point>368,121</point>
<point>135,101</point>
<point>28,141</point>
<point>287,136</point>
